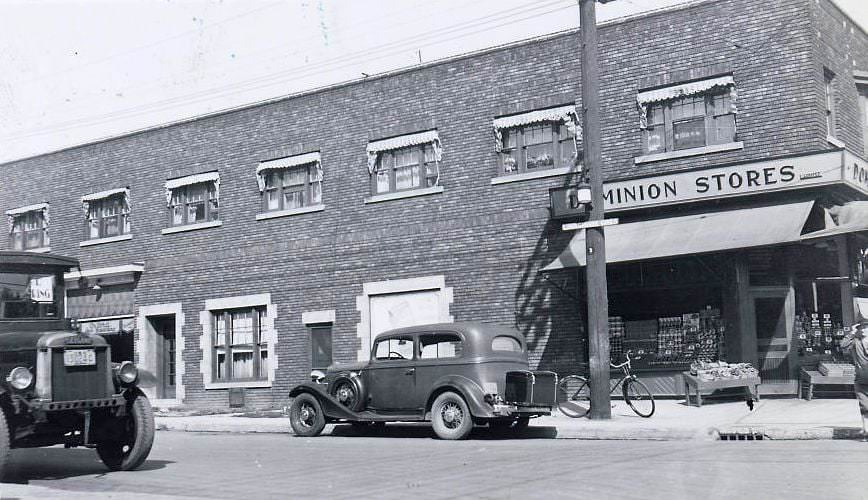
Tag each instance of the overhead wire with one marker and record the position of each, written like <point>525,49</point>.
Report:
<point>378,52</point>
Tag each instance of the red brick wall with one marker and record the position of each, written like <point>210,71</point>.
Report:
<point>488,241</point>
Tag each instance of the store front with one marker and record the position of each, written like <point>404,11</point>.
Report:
<point>761,277</point>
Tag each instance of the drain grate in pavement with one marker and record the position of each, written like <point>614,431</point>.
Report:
<point>741,436</point>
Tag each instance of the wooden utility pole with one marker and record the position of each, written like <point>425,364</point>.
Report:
<point>595,243</point>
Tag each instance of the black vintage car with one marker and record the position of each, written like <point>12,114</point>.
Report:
<point>59,386</point>
<point>452,374</point>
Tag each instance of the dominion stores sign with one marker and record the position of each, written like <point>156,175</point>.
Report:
<point>834,167</point>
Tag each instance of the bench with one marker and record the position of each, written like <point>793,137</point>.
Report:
<point>810,378</point>
<point>699,385</point>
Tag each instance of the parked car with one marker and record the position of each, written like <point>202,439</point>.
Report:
<point>57,385</point>
<point>452,374</point>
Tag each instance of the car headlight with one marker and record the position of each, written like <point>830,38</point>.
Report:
<point>127,372</point>
<point>20,378</point>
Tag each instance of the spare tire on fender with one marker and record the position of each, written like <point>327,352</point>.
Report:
<point>349,391</point>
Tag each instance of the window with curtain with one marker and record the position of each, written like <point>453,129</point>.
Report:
<point>536,146</point>
<point>239,351</point>
<point>688,122</point>
<point>193,204</point>
<point>403,169</point>
<point>108,217</point>
<point>292,187</point>
<point>29,230</point>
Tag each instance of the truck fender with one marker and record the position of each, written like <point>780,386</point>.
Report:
<point>468,389</point>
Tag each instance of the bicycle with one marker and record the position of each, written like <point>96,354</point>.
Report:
<point>574,394</point>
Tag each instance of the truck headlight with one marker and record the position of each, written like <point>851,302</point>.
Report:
<point>127,372</point>
<point>20,378</point>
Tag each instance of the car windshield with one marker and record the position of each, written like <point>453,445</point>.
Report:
<point>28,295</point>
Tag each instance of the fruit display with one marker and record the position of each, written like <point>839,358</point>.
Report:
<point>716,370</point>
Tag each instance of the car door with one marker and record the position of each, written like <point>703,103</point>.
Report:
<point>439,354</point>
<point>391,375</point>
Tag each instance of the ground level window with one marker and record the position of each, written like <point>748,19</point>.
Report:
<point>239,351</point>
<point>321,346</point>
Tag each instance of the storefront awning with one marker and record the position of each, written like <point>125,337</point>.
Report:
<point>848,218</point>
<point>694,234</point>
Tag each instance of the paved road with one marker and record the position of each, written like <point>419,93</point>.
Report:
<point>406,461</point>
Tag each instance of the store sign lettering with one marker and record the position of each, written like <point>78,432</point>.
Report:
<point>856,171</point>
<point>736,180</point>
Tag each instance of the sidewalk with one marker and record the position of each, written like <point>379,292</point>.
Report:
<point>672,420</point>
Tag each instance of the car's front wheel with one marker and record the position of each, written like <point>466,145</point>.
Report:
<point>306,416</point>
<point>450,417</point>
<point>130,446</point>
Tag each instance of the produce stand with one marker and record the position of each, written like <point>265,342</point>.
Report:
<point>699,385</point>
<point>809,378</point>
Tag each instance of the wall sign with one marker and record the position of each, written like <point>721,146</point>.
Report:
<point>735,180</point>
<point>42,289</point>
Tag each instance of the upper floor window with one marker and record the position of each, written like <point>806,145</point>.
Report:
<point>687,116</point>
<point>405,163</point>
<point>108,213</point>
<point>240,352</point>
<point>193,199</point>
<point>28,227</point>
<point>829,101</point>
<point>290,183</point>
<point>536,141</point>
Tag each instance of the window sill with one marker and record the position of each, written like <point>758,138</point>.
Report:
<point>109,239</point>
<point>192,227</point>
<point>290,212</point>
<point>247,384</point>
<point>669,155</point>
<point>835,141</point>
<point>38,250</point>
<point>550,172</point>
<point>377,198</point>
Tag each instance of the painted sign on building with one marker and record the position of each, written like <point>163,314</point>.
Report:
<point>737,180</point>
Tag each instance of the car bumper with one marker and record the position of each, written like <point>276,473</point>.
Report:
<point>84,404</point>
<point>507,410</point>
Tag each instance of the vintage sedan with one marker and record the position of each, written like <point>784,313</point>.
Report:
<point>57,385</point>
<point>452,374</point>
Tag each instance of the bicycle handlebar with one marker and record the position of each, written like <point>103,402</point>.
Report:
<point>625,363</point>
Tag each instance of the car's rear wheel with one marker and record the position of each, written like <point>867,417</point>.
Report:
<point>450,417</point>
<point>129,448</point>
<point>306,416</point>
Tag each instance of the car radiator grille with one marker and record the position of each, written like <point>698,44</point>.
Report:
<point>72,383</point>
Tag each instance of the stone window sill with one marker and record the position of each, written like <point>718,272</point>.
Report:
<point>404,194</point>
<point>290,212</point>
<point>109,239</point>
<point>229,385</point>
<point>192,227</point>
<point>684,153</point>
<point>541,174</point>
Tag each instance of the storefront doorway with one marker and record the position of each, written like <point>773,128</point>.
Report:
<point>164,329</point>
<point>771,316</point>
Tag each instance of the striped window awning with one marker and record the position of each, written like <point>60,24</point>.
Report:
<point>566,114</point>
<point>288,162</point>
<point>189,180</point>
<point>87,199</point>
<point>376,147</point>
<point>15,212</point>
<point>683,90</point>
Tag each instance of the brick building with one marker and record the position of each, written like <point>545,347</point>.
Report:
<point>245,248</point>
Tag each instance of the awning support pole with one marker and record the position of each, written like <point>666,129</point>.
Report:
<point>595,244</point>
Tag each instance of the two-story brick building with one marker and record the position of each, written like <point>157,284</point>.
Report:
<point>243,249</point>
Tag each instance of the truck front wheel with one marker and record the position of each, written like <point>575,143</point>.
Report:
<point>129,447</point>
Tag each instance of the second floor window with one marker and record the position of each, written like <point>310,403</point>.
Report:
<point>193,204</point>
<point>688,116</point>
<point>413,167</point>
<point>108,216</point>
<point>536,147</point>
<point>293,187</point>
<point>28,227</point>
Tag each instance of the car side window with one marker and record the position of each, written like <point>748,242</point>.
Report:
<point>395,348</point>
<point>439,346</point>
<point>504,343</point>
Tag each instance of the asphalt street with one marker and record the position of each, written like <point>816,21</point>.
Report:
<point>402,462</point>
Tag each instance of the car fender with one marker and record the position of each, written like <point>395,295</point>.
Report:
<point>468,389</point>
<point>332,408</point>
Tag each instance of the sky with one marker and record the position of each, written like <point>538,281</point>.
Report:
<point>72,72</point>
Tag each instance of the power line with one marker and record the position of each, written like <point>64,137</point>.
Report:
<point>432,37</point>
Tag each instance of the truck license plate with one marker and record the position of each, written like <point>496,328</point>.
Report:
<point>79,357</point>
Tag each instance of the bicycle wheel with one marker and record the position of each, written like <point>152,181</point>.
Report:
<point>638,397</point>
<point>574,396</point>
